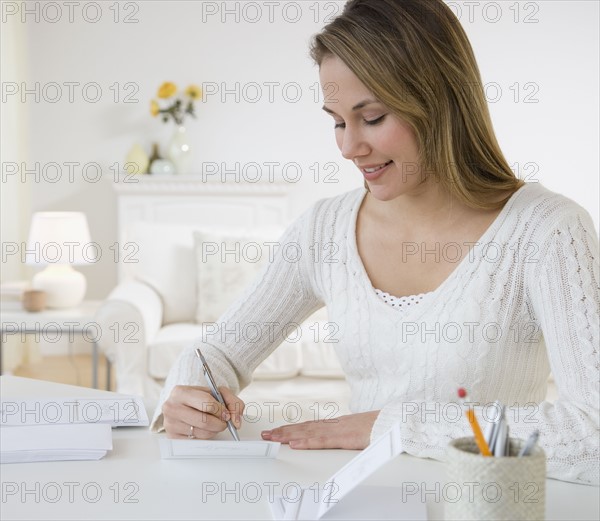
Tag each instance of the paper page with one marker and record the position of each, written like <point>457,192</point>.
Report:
<point>382,450</point>
<point>19,387</point>
<point>314,505</point>
<point>116,411</point>
<point>175,449</point>
<point>379,503</point>
<point>116,407</point>
<point>54,442</point>
<point>34,456</point>
<point>365,503</point>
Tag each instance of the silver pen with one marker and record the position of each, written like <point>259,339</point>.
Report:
<point>215,392</point>
<point>491,430</point>
<point>529,444</point>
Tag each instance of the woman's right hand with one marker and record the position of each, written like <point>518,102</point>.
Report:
<point>193,410</point>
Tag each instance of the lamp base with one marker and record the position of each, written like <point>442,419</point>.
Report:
<point>64,287</point>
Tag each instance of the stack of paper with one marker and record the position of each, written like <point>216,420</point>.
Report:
<point>54,442</point>
<point>118,411</point>
<point>59,425</point>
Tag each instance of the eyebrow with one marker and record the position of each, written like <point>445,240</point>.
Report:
<point>358,106</point>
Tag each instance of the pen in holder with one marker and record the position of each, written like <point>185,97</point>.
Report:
<point>508,487</point>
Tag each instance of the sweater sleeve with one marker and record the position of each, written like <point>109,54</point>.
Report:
<point>563,288</point>
<point>281,297</point>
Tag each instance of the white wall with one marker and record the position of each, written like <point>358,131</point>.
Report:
<point>14,196</point>
<point>558,55</point>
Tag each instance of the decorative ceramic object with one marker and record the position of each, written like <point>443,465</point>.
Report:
<point>64,287</point>
<point>162,167</point>
<point>34,300</point>
<point>179,151</point>
<point>136,161</point>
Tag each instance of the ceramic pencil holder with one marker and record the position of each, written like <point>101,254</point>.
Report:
<point>483,487</point>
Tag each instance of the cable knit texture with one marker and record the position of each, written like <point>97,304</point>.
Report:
<point>523,302</point>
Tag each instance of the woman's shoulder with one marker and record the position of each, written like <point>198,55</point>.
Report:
<point>543,211</point>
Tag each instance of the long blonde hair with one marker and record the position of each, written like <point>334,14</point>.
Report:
<point>415,57</point>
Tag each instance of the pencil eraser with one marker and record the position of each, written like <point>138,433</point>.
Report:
<point>461,392</point>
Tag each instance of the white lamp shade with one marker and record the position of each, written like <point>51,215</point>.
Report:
<point>59,238</point>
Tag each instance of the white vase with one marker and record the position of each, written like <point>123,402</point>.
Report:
<point>179,151</point>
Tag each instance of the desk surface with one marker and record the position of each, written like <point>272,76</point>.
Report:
<point>132,482</point>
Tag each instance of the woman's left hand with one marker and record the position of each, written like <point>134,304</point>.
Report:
<point>345,432</point>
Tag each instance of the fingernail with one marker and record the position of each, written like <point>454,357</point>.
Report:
<point>226,416</point>
<point>237,420</point>
<point>266,434</point>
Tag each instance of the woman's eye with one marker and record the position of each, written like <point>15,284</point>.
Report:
<point>375,121</point>
<point>367,122</point>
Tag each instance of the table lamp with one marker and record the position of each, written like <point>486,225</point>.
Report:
<point>59,240</point>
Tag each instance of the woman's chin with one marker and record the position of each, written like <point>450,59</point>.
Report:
<point>382,192</point>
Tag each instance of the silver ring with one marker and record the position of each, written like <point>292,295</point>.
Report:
<point>191,434</point>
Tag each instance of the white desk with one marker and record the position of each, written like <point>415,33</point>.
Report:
<point>135,483</point>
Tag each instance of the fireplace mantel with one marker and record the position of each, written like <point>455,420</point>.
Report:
<point>136,184</point>
<point>188,201</point>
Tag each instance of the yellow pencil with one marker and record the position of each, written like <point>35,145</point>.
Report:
<point>479,439</point>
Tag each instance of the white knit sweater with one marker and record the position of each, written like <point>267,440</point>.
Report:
<point>525,301</point>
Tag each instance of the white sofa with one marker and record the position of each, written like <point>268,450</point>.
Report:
<point>175,288</point>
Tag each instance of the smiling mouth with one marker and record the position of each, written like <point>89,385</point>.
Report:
<point>376,168</point>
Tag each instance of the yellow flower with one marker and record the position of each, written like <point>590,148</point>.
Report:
<point>154,108</point>
<point>167,89</point>
<point>194,92</point>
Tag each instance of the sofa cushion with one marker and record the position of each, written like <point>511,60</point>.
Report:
<point>168,344</point>
<point>284,362</point>
<point>225,265</point>
<point>165,261</point>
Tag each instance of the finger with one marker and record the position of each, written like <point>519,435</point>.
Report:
<point>179,413</point>
<point>175,408</point>
<point>199,398</point>
<point>181,430</point>
<point>234,404</point>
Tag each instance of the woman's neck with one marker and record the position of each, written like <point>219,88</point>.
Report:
<point>425,206</point>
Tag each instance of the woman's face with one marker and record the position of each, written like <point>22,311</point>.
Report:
<point>379,143</point>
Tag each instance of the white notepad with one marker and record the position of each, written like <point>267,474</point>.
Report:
<point>177,449</point>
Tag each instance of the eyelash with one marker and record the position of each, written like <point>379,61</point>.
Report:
<point>370,123</point>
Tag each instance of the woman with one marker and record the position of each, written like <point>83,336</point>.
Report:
<point>448,271</point>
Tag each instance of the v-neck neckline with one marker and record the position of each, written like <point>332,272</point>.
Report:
<point>431,295</point>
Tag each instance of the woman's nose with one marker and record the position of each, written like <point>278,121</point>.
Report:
<point>352,144</point>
